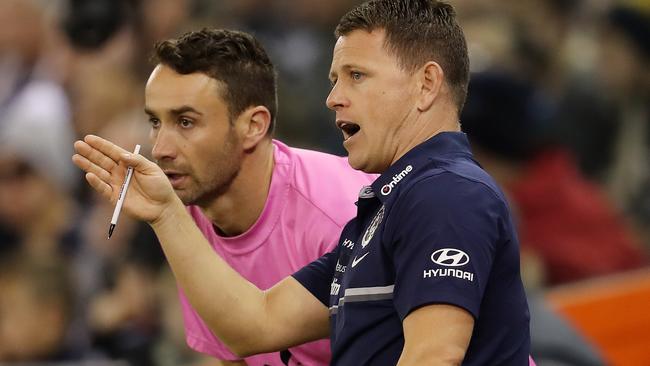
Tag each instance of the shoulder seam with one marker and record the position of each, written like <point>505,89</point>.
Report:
<point>443,171</point>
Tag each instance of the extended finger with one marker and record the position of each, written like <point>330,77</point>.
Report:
<point>90,167</point>
<point>100,186</point>
<point>140,163</point>
<point>106,147</point>
<point>95,156</point>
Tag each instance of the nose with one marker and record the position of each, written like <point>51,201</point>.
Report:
<point>336,99</point>
<point>164,147</point>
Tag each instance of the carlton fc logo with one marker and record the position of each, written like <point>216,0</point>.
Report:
<point>370,232</point>
<point>450,257</point>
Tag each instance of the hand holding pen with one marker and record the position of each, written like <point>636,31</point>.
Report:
<point>107,169</point>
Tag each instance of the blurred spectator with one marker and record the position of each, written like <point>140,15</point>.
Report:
<point>116,278</point>
<point>298,36</point>
<point>542,31</point>
<point>158,20</point>
<point>117,284</point>
<point>605,119</point>
<point>562,218</point>
<point>32,104</point>
<point>170,348</point>
<point>35,214</point>
<point>35,310</point>
<point>123,319</point>
<point>626,78</point>
<point>101,98</point>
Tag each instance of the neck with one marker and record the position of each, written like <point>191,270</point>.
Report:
<point>426,125</point>
<point>235,211</point>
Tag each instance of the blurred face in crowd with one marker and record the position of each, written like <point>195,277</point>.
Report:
<point>373,98</point>
<point>30,329</point>
<point>194,140</point>
<point>22,25</point>
<point>22,192</point>
<point>623,70</point>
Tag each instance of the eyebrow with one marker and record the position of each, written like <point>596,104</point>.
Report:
<point>175,111</point>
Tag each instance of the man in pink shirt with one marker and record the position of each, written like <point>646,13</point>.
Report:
<point>266,208</point>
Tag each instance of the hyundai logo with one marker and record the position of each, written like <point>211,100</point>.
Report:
<point>450,257</point>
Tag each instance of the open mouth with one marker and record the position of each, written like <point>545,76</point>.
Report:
<point>175,178</point>
<point>349,129</point>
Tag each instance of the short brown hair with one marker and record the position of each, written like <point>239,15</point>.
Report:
<point>417,31</point>
<point>234,58</point>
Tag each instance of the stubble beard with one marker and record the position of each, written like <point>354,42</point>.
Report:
<point>207,192</point>
<point>224,170</point>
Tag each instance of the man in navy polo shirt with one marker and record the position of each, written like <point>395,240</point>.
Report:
<point>434,245</point>
<point>428,271</point>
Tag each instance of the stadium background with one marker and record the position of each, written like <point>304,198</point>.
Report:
<point>558,112</point>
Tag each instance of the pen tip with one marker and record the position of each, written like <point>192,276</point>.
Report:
<point>110,230</point>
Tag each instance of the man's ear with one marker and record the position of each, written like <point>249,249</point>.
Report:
<point>253,125</point>
<point>431,78</point>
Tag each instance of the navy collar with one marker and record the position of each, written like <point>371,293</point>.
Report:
<point>438,146</point>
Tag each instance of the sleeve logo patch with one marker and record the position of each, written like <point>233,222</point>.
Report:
<point>450,257</point>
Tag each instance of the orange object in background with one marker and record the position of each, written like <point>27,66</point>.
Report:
<point>612,312</point>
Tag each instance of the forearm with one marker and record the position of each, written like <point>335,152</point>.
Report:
<point>452,330</point>
<point>233,308</point>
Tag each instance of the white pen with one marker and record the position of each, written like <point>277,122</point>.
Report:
<point>120,198</point>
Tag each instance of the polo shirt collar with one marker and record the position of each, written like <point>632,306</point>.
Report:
<point>435,148</point>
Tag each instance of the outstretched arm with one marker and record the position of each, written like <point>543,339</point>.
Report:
<point>245,318</point>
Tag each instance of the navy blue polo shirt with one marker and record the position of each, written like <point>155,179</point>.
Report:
<point>432,229</point>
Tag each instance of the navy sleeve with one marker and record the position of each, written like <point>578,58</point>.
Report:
<point>317,276</point>
<point>445,230</point>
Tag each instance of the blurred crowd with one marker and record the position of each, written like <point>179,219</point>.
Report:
<point>558,112</point>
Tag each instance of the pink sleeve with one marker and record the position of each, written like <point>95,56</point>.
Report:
<point>530,361</point>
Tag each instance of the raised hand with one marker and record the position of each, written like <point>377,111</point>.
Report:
<point>150,193</point>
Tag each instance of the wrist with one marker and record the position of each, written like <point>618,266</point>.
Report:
<point>169,214</point>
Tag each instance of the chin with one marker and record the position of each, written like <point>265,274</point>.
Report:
<point>187,201</point>
<point>354,163</point>
<point>187,197</point>
<point>359,164</point>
